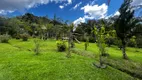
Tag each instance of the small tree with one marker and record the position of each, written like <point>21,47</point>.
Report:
<point>100,38</point>
<point>37,46</point>
<point>86,41</point>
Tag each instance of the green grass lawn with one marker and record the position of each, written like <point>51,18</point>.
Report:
<point>18,62</point>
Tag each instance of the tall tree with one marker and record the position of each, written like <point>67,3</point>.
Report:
<point>125,24</point>
<point>70,40</point>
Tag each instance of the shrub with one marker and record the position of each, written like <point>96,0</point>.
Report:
<point>17,36</point>
<point>24,37</point>
<point>92,39</point>
<point>4,38</point>
<point>61,46</point>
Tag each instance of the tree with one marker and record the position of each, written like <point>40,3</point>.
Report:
<point>86,41</point>
<point>125,24</point>
<point>57,24</point>
<point>100,38</point>
<point>14,26</point>
<point>49,27</point>
<point>3,22</point>
<point>70,40</point>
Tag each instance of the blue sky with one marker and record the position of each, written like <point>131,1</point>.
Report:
<point>73,10</point>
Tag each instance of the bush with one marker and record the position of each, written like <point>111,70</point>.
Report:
<point>17,36</point>
<point>132,42</point>
<point>61,46</point>
<point>4,38</point>
<point>92,39</point>
<point>24,37</point>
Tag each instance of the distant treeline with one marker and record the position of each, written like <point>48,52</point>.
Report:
<point>45,28</point>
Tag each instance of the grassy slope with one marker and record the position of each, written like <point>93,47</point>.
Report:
<point>115,52</point>
<point>133,65</point>
<point>18,62</point>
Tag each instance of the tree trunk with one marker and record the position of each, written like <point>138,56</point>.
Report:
<point>101,52</point>
<point>101,62</point>
<point>123,52</point>
<point>56,36</point>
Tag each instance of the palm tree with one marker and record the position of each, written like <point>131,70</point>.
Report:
<point>125,24</point>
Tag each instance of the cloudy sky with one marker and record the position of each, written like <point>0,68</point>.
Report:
<point>73,10</point>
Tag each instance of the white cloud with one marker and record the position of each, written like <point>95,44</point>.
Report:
<point>137,2</point>
<point>79,20</point>
<point>69,1</point>
<point>3,12</point>
<point>21,5</point>
<point>61,6</point>
<point>95,11</point>
<point>117,13</point>
<point>134,3</point>
<point>92,12</point>
<point>66,4</point>
<point>77,5</point>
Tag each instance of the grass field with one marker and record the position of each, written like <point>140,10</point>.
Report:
<point>18,62</point>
